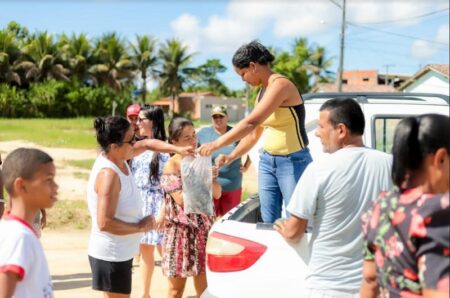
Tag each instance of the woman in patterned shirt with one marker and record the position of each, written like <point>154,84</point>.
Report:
<point>147,169</point>
<point>406,232</point>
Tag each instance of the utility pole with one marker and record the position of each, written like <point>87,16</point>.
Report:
<point>386,76</point>
<point>341,55</point>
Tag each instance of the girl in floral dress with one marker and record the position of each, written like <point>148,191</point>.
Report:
<point>407,241</point>
<point>185,235</point>
<point>147,169</point>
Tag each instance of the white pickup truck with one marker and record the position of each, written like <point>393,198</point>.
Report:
<point>246,258</point>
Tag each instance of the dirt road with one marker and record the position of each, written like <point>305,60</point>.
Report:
<point>66,253</point>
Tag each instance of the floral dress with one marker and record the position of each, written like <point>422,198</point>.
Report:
<point>151,191</point>
<point>185,235</point>
<point>407,235</point>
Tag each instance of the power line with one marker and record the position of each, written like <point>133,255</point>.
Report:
<point>403,19</point>
<point>397,34</point>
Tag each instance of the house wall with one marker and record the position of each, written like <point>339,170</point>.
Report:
<point>431,82</point>
<point>235,107</point>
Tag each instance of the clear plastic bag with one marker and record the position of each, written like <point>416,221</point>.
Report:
<point>196,175</point>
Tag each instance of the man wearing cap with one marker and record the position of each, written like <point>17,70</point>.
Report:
<point>230,176</point>
<point>133,116</point>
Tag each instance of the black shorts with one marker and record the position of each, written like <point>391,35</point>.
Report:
<point>113,277</point>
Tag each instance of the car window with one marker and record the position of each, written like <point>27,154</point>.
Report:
<point>384,132</point>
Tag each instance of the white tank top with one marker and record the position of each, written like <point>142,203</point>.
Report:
<point>106,246</point>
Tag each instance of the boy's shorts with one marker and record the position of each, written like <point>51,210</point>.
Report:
<point>113,277</point>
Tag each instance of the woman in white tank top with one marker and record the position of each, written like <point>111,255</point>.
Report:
<point>115,205</point>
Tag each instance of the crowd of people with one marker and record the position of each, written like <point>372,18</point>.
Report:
<point>379,222</point>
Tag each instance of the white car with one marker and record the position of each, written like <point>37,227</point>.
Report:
<point>246,258</point>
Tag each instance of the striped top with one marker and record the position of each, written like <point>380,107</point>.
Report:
<point>285,130</point>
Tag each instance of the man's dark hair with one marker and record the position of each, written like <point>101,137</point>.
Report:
<point>23,163</point>
<point>252,52</point>
<point>346,111</point>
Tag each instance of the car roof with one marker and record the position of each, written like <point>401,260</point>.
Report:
<point>381,97</point>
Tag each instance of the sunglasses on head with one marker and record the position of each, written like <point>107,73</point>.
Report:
<point>217,116</point>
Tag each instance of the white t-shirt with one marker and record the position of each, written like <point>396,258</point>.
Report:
<point>106,246</point>
<point>22,253</point>
<point>333,192</point>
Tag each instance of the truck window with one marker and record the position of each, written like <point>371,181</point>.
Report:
<point>384,132</point>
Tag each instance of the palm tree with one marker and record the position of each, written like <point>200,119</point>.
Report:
<point>77,52</point>
<point>43,59</point>
<point>144,59</point>
<point>172,76</point>
<point>112,63</point>
<point>318,65</point>
<point>9,55</point>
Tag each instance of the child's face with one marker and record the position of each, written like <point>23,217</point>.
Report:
<point>42,188</point>
<point>188,137</point>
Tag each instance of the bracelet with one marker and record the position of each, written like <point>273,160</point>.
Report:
<point>2,201</point>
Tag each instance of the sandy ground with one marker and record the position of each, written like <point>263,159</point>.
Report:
<point>66,250</point>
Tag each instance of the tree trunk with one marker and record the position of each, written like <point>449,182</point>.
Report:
<point>144,87</point>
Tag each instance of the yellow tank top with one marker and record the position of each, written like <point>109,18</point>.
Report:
<point>285,130</point>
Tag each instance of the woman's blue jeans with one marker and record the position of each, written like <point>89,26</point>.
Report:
<point>278,176</point>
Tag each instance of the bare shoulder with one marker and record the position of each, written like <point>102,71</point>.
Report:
<point>172,166</point>
<point>106,178</point>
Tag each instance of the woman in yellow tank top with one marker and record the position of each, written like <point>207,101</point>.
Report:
<point>280,112</point>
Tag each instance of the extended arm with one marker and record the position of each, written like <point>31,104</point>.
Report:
<point>160,146</point>
<point>272,99</point>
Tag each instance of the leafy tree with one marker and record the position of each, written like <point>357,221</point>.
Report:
<point>112,62</point>
<point>145,59</point>
<point>42,59</point>
<point>19,31</point>
<point>78,54</point>
<point>9,54</point>
<point>173,74</point>
<point>205,77</point>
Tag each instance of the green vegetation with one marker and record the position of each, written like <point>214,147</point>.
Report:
<point>45,75</point>
<point>69,214</point>
<point>81,175</point>
<point>80,163</point>
<point>67,133</point>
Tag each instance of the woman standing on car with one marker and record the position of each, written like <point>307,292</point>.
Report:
<point>406,233</point>
<point>147,169</point>
<point>280,110</point>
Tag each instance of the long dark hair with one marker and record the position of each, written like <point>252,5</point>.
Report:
<point>414,139</point>
<point>156,115</point>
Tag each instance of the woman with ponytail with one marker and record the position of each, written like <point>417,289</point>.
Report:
<point>115,205</point>
<point>147,169</point>
<point>406,233</point>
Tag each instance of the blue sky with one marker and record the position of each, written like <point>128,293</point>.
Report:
<point>216,28</point>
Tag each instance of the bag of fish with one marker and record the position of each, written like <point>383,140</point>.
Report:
<point>196,175</point>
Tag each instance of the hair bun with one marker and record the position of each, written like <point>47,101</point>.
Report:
<point>99,124</point>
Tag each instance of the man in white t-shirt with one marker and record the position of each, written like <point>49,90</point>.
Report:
<point>332,194</point>
<point>28,176</point>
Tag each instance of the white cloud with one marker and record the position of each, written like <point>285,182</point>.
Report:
<point>442,34</point>
<point>243,21</point>
<point>186,27</point>
<point>422,49</point>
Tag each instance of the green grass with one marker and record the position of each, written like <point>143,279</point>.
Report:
<point>80,175</point>
<point>66,133</point>
<point>69,214</point>
<point>80,163</point>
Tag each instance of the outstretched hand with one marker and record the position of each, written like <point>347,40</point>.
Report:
<point>207,149</point>
<point>186,151</point>
<point>222,160</point>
